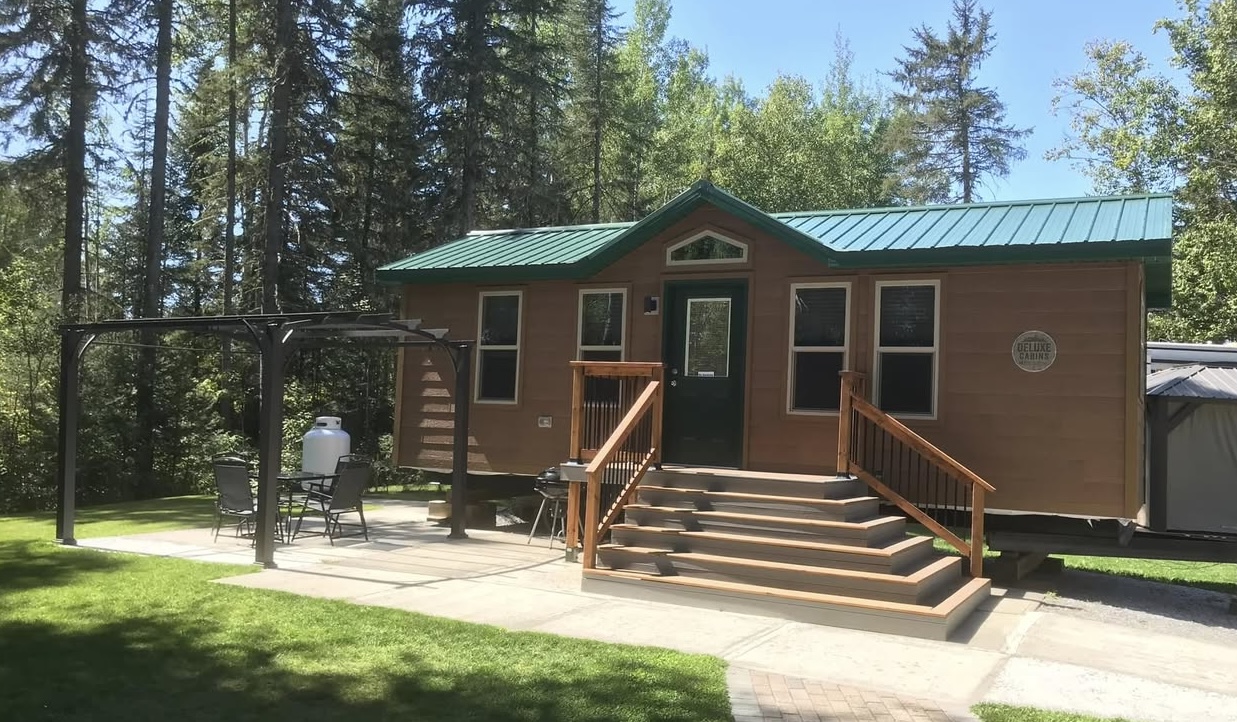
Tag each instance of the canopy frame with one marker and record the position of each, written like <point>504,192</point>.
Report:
<point>276,336</point>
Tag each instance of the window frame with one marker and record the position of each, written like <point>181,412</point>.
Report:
<point>580,347</point>
<point>482,347</point>
<point>792,349</point>
<point>935,349</point>
<point>707,261</point>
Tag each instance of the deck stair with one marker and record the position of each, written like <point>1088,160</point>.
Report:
<point>805,548</point>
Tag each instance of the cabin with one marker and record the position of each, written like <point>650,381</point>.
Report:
<point>747,401</point>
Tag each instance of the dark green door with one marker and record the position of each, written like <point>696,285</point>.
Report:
<point>705,349</point>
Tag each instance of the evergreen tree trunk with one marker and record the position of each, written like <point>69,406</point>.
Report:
<point>530,192</point>
<point>364,264</point>
<point>75,162</point>
<point>281,103</point>
<point>473,98</point>
<point>598,59</point>
<point>229,235</point>
<point>152,296</point>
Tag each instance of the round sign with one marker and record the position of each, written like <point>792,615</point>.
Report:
<point>1034,351</point>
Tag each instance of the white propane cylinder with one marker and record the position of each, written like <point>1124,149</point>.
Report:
<point>323,445</point>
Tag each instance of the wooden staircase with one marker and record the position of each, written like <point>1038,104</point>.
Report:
<point>807,548</point>
<point>810,549</point>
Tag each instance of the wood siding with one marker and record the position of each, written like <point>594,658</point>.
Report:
<point>1061,441</point>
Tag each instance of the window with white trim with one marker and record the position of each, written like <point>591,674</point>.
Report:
<point>907,345</point>
<point>498,346</point>
<point>706,248</point>
<point>603,315</point>
<point>819,339</point>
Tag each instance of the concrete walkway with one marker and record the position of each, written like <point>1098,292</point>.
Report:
<point>1020,649</point>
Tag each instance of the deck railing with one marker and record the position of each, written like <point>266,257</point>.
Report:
<point>615,428</point>
<point>911,473</point>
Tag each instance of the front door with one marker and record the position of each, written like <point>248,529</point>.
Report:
<point>705,348</point>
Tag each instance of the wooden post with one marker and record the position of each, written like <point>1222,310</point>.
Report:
<point>845,409</point>
<point>577,413</point>
<point>573,519</point>
<point>659,377</point>
<point>592,517</point>
<point>977,531</point>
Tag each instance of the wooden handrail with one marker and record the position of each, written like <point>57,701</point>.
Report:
<point>595,528</point>
<point>624,429</point>
<point>918,443</point>
<point>628,492</point>
<point>911,510</point>
<point>852,402</point>
<point>618,368</point>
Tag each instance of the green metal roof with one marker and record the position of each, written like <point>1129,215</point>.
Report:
<point>1063,230</point>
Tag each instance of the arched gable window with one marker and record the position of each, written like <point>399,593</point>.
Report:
<point>706,248</point>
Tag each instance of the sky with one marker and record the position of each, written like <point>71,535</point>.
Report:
<point>1037,41</point>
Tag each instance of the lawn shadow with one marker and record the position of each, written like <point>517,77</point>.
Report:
<point>26,564</point>
<point>178,668</point>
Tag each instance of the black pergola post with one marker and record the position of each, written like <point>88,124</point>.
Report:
<point>69,401</point>
<point>271,339</point>
<point>461,355</point>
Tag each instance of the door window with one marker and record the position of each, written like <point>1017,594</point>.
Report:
<point>708,338</point>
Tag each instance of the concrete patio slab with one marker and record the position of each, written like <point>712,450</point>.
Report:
<point>1160,658</point>
<point>310,584</point>
<point>470,601</point>
<point>661,625</point>
<point>920,668</point>
<point>1086,689</point>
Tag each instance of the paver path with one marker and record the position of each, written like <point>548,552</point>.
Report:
<point>768,697</point>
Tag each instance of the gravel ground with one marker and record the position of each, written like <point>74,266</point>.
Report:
<point>1166,608</point>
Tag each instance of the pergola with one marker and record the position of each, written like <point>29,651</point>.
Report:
<point>277,336</point>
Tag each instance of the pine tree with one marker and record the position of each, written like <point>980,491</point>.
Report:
<point>950,135</point>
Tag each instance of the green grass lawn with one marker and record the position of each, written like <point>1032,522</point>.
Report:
<point>1214,576</point>
<point>1006,713</point>
<point>134,517</point>
<point>93,636</point>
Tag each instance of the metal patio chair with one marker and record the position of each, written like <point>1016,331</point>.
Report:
<point>345,496</point>
<point>234,494</point>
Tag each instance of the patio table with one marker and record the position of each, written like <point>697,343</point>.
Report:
<point>290,484</point>
<point>304,482</point>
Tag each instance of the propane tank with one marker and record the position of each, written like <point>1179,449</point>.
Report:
<point>323,445</point>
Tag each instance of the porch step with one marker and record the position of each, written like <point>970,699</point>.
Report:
<point>850,509</point>
<point>923,585</point>
<point>754,482</point>
<point>874,531</point>
<point>810,548</point>
<point>896,557</point>
<point>934,621</point>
